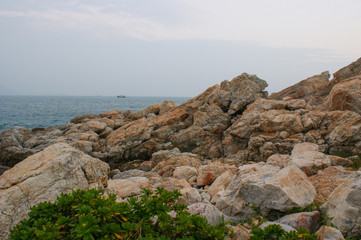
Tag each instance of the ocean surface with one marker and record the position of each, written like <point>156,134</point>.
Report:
<point>46,111</point>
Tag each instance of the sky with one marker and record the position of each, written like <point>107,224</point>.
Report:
<point>170,47</point>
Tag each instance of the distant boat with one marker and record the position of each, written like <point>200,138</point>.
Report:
<point>120,96</point>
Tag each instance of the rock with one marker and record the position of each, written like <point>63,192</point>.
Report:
<point>303,89</point>
<point>267,187</point>
<point>189,196</point>
<point>166,106</point>
<point>129,187</point>
<point>207,210</point>
<point>284,226</point>
<point>208,173</point>
<point>129,174</point>
<point>185,172</point>
<point>329,233</point>
<point>205,197</point>
<point>280,160</point>
<point>3,169</point>
<point>325,181</point>
<point>143,113</point>
<point>240,233</point>
<point>306,220</point>
<point>171,184</point>
<point>94,126</point>
<point>166,168</point>
<point>345,95</point>
<point>221,183</point>
<point>42,177</point>
<point>146,166</point>
<point>339,161</point>
<point>308,159</point>
<point>344,206</point>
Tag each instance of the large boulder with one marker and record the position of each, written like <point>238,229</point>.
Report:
<point>42,177</point>
<point>344,206</point>
<point>307,157</point>
<point>267,187</point>
<point>329,233</point>
<point>306,220</point>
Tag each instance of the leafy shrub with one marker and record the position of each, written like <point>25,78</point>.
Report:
<point>85,214</point>
<point>276,232</point>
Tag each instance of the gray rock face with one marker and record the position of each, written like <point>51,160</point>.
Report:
<point>207,210</point>
<point>344,206</point>
<point>42,177</point>
<point>265,186</point>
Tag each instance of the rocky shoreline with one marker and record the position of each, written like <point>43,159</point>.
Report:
<point>229,148</point>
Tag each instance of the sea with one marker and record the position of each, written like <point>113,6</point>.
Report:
<point>46,111</point>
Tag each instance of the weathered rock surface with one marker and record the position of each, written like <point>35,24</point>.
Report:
<point>268,187</point>
<point>207,210</point>
<point>329,233</point>
<point>208,173</point>
<point>129,187</point>
<point>42,177</point>
<point>307,157</point>
<point>306,220</point>
<point>305,88</point>
<point>344,206</point>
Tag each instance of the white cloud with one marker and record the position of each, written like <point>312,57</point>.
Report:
<point>279,23</point>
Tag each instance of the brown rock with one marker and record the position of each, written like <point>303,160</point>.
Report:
<point>327,180</point>
<point>129,187</point>
<point>208,173</point>
<point>303,89</point>
<point>166,168</point>
<point>329,233</point>
<point>306,220</point>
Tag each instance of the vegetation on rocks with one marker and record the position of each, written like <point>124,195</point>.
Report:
<point>86,214</point>
<point>276,232</point>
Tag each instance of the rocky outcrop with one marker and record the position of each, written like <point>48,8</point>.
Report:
<point>344,206</point>
<point>42,177</point>
<point>267,187</point>
<point>303,89</point>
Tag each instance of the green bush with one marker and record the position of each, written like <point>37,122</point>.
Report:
<point>276,232</point>
<point>85,214</point>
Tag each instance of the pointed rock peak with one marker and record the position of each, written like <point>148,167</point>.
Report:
<point>305,88</point>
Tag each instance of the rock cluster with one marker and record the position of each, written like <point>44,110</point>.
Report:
<point>228,150</point>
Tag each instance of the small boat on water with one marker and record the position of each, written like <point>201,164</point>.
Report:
<point>120,96</point>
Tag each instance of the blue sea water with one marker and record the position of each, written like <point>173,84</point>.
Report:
<point>46,111</point>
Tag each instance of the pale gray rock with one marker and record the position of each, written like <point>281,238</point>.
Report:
<point>44,176</point>
<point>129,187</point>
<point>207,210</point>
<point>185,172</point>
<point>307,157</point>
<point>265,186</point>
<point>189,196</point>
<point>329,233</point>
<point>344,206</point>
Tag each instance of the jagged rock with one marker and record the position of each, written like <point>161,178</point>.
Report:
<point>129,187</point>
<point>344,206</point>
<point>221,183</point>
<point>280,160</point>
<point>339,161</point>
<point>42,177</point>
<point>189,196</point>
<point>307,157</point>
<point>306,220</point>
<point>129,174</point>
<point>329,233</point>
<point>303,89</point>
<point>208,173</point>
<point>166,106</point>
<point>327,180</point>
<point>207,210</point>
<point>166,168</point>
<point>345,95</point>
<point>145,112</point>
<point>265,186</point>
<point>171,184</point>
<point>185,172</point>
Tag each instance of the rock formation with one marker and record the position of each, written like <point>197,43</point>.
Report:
<point>228,150</point>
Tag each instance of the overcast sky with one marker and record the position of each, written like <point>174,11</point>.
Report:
<point>170,47</point>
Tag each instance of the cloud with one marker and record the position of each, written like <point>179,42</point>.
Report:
<point>279,23</point>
